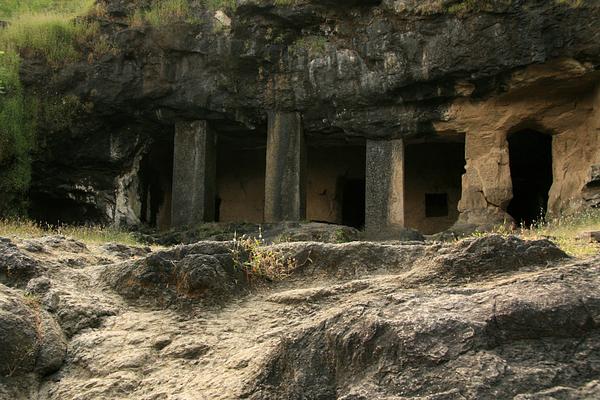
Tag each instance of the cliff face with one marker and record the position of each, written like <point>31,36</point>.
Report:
<point>363,69</point>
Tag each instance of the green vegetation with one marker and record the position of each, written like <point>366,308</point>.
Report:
<point>16,137</point>
<point>10,8</point>
<point>314,45</point>
<point>465,6</point>
<point>566,231</point>
<point>570,3</point>
<point>24,228</point>
<point>48,29</point>
<point>165,12</point>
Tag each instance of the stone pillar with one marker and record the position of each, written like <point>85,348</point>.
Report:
<point>285,181</point>
<point>194,174</point>
<point>384,208</point>
<point>486,183</point>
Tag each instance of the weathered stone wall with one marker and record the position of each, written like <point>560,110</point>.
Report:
<point>556,99</point>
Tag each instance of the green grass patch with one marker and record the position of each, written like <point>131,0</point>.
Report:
<point>162,13</point>
<point>566,232</point>
<point>11,8</point>
<point>25,228</point>
<point>50,35</point>
<point>45,28</point>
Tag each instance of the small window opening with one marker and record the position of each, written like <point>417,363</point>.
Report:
<point>436,205</point>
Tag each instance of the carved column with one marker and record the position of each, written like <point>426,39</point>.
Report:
<point>285,183</point>
<point>194,174</point>
<point>384,211</point>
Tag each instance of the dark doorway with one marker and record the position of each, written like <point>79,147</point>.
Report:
<point>531,171</point>
<point>336,182</point>
<point>353,203</point>
<point>156,177</point>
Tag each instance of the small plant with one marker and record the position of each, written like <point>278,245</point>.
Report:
<point>340,236</point>
<point>313,45</point>
<point>259,261</point>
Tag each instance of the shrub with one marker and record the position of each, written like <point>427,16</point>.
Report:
<point>259,261</point>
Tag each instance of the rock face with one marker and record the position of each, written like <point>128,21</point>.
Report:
<point>447,343</point>
<point>441,70</point>
<point>15,267</point>
<point>30,339</point>
<point>204,270</point>
<point>485,317</point>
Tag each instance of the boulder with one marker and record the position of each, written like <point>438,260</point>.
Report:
<point>202,271</point>
<point>30,339</point>
<point>16,268</point>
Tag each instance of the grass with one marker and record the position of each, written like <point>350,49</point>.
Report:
<point>564,230</point>
<point>11,8</point>
<point>50,29</point>
<point>24,228</point>
<point>164,12</point>
<point>313,45</point>
<point>54,36</point>
<point>258,261</point>
<point>16,137</point>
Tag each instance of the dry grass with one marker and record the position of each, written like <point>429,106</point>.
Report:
<point>259,261</point>
<point>565,230</point>
<point>23,228</point>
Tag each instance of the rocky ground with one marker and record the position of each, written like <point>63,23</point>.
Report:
<point>488,317</point>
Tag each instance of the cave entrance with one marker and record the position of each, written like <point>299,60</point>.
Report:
<point>353,202</point>
<point>336,183</point>
<point>241,165</point>
<point>433,183</point>
<point>155,183</point>
<point>531,172</point>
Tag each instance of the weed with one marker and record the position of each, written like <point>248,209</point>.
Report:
<point>259,261</point>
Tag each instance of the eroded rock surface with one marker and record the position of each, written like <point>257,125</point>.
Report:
<point>30,339</point>
<point>486,317</point>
